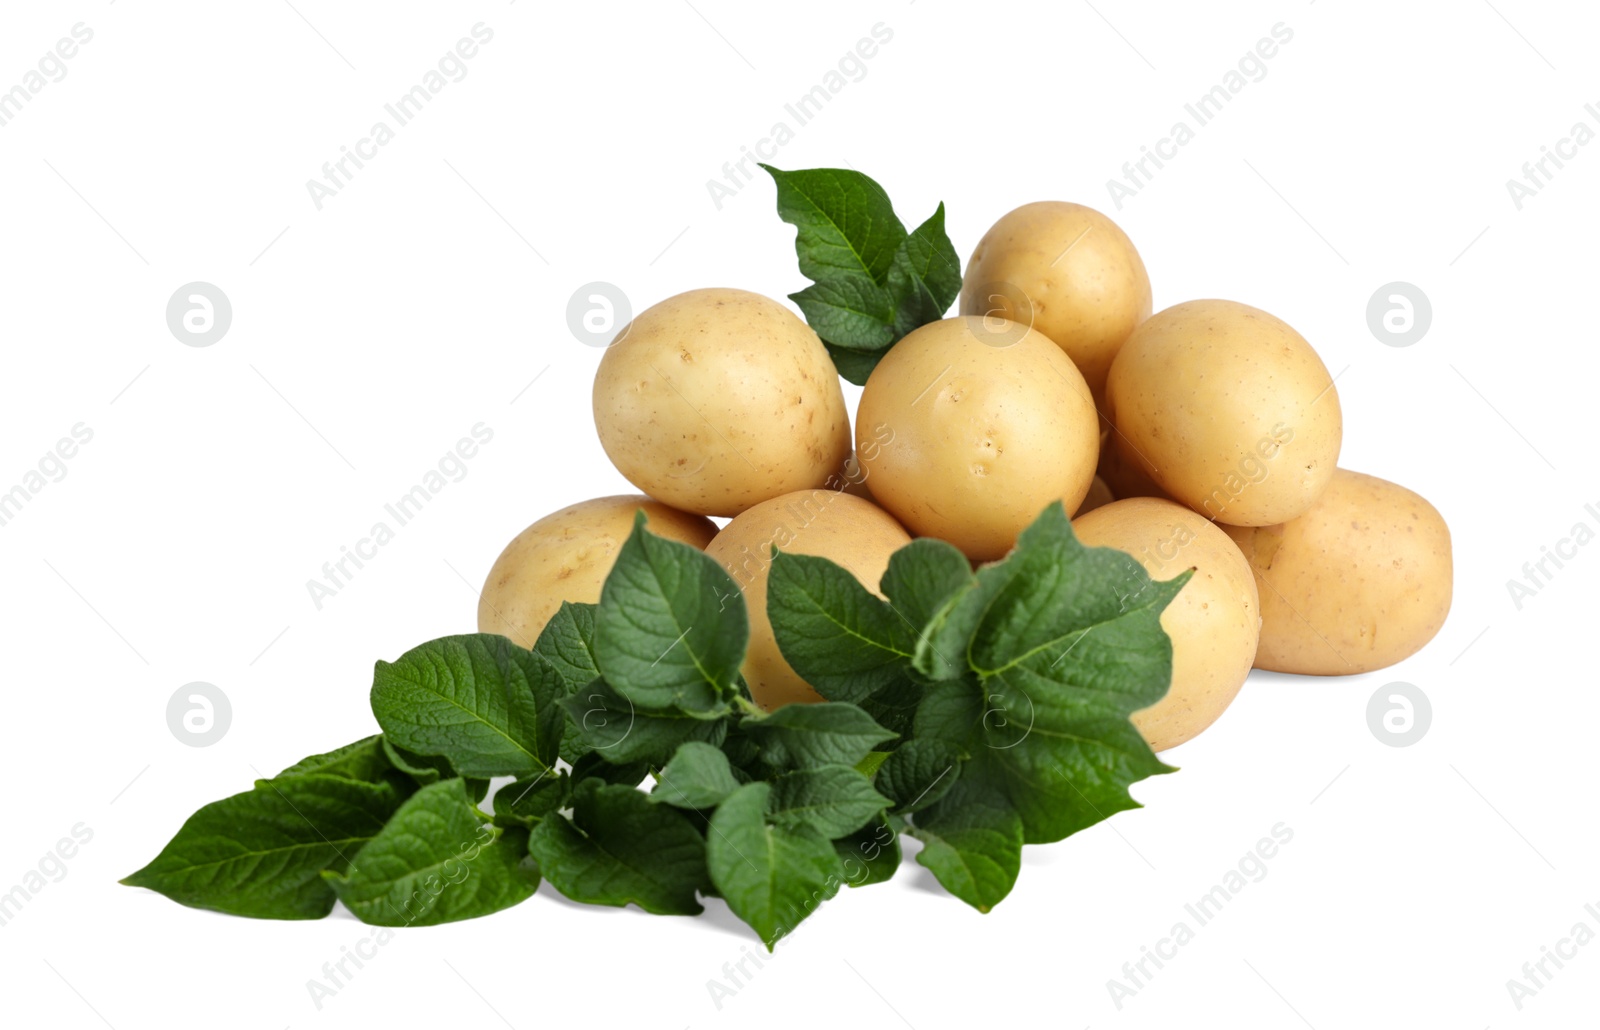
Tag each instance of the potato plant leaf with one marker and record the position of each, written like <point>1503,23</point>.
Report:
<point>871,854</point>
<point>1058,645</point>
<point>436,862</point>
<point>614,729</point>
<point>841,639</point>
<point>619,849</point>
<point>834,800</point>
<point>698,776</point>
<point>772,876</point>
<point>479,701</point>
<point>972,843</point>
<point>807,736</point>
<point>664,638</point>
<point>261,853</point>
<point>871,281</point>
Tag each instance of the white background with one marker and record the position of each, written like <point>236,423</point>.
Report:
<point>431,291</point>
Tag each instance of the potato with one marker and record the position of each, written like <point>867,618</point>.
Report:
<point>1228,410</point>
<point>1068,271</point>
<point>715,400</point>
<point>828,523</point>
<point>1357,583</point>
<point>1214,622</point>
<point>566,556</point>
<point>967,440</point>
<point>1099,495</point>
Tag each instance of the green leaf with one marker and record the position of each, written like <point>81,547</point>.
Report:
<point>526,801</point>
<point>364,760</point>
<point>609,725</point>
<point>698,776</point>
<point>807,736</point>
<point>925,278</point>
<point>841,639</point>
<point>869,765</point>
<point>771,876</point>
<point>436,862</point>
<point>619,849</point>
<point>972,843</point>
<point>834,800</point>
<point>894,707</point>
<point>846,229</point>
<point>871,282</point>
<point>857,314</point>
<point>871,854</point>
<point>923,577</point>
<point>593,766</point>
<point>664,638</point>
<point>1063,644</point>
<point>919,773</point>
<point>854,365</point>
<point>568,642</point>
<point>261,853</point>
<point>425,769</point>
<point>479,700</point>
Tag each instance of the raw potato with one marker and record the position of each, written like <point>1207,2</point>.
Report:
<point>1357,583</point>
<point>566,556</point>
<point>1099,496</point>
<point>1214,622</point>
<point>1068,271</point>
<point>1228,410</point>
<point>827,523</point>
<point>969,441</point>
<point>715,400</point>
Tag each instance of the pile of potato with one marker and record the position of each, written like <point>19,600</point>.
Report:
<point>1205,436</point>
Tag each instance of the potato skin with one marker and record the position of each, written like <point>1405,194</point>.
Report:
<point>831,524</point>
<point>566,556</point>
<point>1228,410</point>
<point>974,440</point>
<point>1214,622</point>
<point>1357,583</point>
<point>1074,276</point>
<point>714,400</point>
